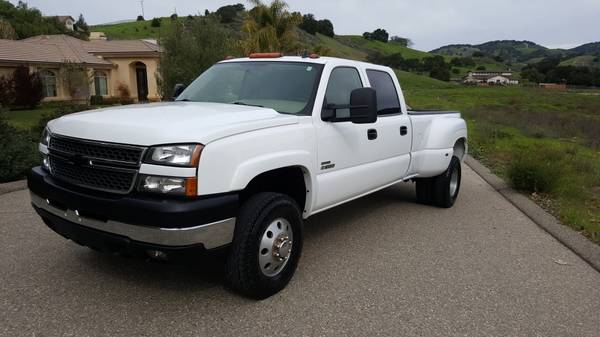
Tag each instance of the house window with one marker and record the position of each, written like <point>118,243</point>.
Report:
<point>100,83</point>
<point>48,83</point>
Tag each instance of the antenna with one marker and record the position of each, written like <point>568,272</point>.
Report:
<point>142,5</point>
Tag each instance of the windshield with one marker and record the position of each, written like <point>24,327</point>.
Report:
<point>287,87</point>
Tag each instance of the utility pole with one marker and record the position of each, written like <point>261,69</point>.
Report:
<point>142,5</point>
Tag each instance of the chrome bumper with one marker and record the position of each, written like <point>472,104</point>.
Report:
<point>211,235</point>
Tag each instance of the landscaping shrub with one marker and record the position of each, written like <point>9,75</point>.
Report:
<point>124,94</point>
<point>535,171</point>
<point>96,100</point>
<point>27,88</point>
<point>7,91</point>
<point>19,152</point>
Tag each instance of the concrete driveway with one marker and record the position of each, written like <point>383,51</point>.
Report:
<point>382,265</point>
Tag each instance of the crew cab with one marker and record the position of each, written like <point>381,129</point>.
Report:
<point>247,152</point>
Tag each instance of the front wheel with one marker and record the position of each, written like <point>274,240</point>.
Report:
<point>266,246</point>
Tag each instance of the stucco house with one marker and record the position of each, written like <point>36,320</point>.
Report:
<point>67,21</point>
<point>110,64</point>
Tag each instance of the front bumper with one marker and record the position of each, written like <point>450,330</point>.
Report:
<point>130,221</point>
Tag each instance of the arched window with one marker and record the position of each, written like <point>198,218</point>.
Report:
<point>100,83</point>
<point>48,83</point>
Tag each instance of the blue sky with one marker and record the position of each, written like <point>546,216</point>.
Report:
<point>429,23</point>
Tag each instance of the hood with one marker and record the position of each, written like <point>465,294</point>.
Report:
<point>168,123</point>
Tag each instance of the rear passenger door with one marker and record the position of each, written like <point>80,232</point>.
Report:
<point>352,161</point>
<point>393,125</point>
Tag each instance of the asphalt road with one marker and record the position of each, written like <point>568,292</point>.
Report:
<point>382,265</point>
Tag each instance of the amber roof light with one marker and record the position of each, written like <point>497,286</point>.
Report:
<point>265,55</point>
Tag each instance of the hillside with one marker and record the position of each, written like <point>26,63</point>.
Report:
<point>508,50</point>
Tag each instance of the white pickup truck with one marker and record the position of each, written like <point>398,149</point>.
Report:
<point>245,153</point>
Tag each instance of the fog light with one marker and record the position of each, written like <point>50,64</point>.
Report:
<point>46,162</point>
<point>157,255</point>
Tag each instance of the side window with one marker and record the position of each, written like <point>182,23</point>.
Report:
<point>341,83</point>
<point>387,97</point>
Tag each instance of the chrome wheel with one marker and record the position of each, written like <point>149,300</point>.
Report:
<point>453,183</point>
<point>275,247</point>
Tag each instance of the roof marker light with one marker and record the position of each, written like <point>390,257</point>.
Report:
<point>265,55</point>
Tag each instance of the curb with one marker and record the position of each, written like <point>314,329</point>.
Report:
<point>580,245</point>
<point>13,186</point>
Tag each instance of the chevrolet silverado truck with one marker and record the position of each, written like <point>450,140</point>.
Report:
<point>247,152</point>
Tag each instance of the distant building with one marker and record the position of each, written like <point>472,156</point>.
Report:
<point>553,86</point>
<point>67,21</point>
<point>110,64</point>
<point>490,77</point>
<point>98,36</point>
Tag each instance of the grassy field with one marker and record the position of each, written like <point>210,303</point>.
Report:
<point>546,143</point>
<point>132,30</point>
<point>26,119</point>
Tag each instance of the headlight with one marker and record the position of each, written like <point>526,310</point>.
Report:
<point>169,185</point>
<point>45,137</point>
<point>175,155</point>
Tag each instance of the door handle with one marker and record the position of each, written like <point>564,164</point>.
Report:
<point>372,134</point>
<point>403,131</point>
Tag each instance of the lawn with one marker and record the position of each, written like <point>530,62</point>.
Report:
<point>26,119</point>
<point>546,142</point>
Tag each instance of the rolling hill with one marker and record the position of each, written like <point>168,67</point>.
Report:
<point>522,52</point>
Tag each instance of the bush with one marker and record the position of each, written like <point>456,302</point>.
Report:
<point>19,152</point>
<point>27,88</point>
<point>155,23</point>
<point>189,48</point>
<point>534,172</point>
<point>140,18</point>
<point>96,100</point>
<point>124,94</point>
<point>7,91</point>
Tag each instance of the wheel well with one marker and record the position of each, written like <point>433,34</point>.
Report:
<point>460,148</point>
<point>287,180</point>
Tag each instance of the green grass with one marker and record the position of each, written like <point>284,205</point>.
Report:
<point>556,130</point>
<point>414,81</point>
<point>359,42</point>
<point>26,119</point>
<point>132,30</point>
<point>338,49</point>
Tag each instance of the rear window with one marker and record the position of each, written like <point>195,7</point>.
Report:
<point>387,97</point>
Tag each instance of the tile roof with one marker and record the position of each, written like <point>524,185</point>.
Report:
<point>64,48</point>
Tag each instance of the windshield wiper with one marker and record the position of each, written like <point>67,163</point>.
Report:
<point>247,104</point>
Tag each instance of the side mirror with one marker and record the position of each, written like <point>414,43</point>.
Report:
<point>179,88</point>
<point>363,106</point>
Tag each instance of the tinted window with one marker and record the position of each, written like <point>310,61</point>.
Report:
<point>341,83</point>
<point>387,97</point>
<point>287,87</point>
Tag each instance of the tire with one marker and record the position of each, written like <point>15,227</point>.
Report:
<point>446,186</point>
<point>424,187</point>
<point>246,268</point>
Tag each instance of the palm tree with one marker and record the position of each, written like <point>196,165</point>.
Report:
<point>269,28</point>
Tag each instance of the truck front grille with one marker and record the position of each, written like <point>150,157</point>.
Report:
<point>96,165</point>
<point>97,150</point>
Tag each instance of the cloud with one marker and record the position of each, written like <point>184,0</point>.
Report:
<point>429,23</point>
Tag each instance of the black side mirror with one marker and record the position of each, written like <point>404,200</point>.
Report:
<point>179,88</point>
<point>363,106</point>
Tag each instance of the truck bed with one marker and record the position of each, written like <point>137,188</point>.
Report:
<point>431,112</point>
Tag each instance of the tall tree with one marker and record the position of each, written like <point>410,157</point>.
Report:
<point>270,28</point>
<point>189,47</point>
<point>7,32</point>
